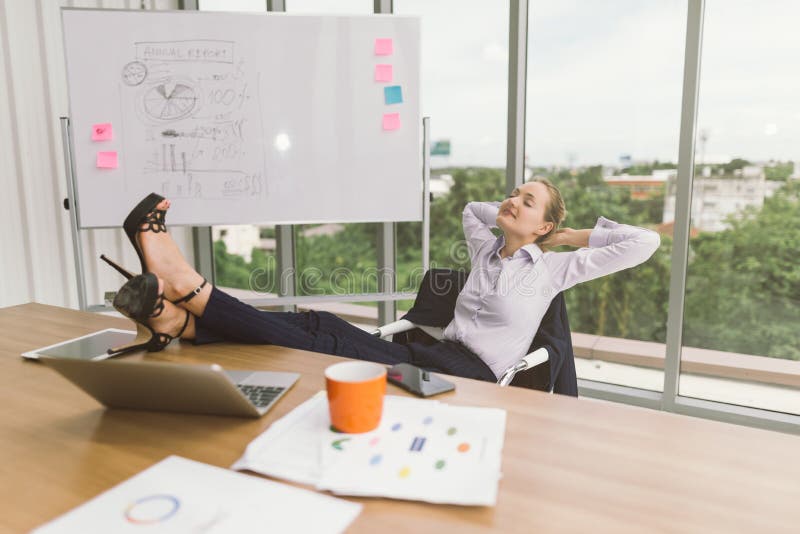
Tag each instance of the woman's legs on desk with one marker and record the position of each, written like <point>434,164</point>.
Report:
<point>226,318</point>
<point>217,316</point>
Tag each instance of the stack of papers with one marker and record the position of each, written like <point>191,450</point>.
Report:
<point>178,495</point>
<point>422,450</point>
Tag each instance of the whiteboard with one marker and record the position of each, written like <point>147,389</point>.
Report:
<point>244,117</point>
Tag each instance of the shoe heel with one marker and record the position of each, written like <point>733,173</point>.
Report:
<point>127,274</point>
<point>143,340</point>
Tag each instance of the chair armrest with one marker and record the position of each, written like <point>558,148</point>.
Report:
<point>533,359</point>
<point>536,357</point>
<point>403,325</point>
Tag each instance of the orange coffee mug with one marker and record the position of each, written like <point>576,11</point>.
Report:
<point>355,395</point>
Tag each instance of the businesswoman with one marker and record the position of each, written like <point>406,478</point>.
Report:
<point>513,279</point>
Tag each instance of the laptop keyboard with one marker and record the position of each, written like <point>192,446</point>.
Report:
<point>260,396</point>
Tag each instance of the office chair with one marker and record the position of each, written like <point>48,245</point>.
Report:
<point>549,364</point>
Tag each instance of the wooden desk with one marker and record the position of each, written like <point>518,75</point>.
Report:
<point>570,465</point>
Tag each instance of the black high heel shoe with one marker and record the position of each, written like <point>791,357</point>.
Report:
<point>145,212</point>
<point>124,272</point>
<point>140,300</point>
<point>129,275</point>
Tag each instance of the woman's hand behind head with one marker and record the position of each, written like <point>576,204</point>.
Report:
<point>557,239</point>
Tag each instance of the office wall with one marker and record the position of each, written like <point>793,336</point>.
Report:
<point>36,255</point>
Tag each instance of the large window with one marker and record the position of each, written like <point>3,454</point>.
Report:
<point>232,5</point>
<point>339,7</point>
<point>603,105</point>
<point>742,307</point>
<point>603,118</point>
<point>464,92</point>
<point>244,255</point>
<point>329,258</point>
<point>336,259</point>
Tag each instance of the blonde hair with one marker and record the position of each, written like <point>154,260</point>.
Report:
<point>555,211</point>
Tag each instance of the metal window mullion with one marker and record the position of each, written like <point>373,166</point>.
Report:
<point>517,81</point>
<point>285,251</point>
<point>426,194</point>
<point>202,240</point>
<point>382,6</point>
<point>387,272</point>
<point>203,243</point>
<point>286,269</point>
<point>683,202</point>
<point>387,278</point>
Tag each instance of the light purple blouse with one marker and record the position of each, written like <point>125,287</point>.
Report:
<point>503,301</point>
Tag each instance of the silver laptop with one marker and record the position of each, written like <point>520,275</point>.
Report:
<point>205,389</point>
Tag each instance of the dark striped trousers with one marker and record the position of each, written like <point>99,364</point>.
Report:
<point>229,319</point>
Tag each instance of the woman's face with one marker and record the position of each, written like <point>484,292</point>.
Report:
<point>522,214</point>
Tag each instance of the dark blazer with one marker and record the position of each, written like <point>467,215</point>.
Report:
<point>435,306</point>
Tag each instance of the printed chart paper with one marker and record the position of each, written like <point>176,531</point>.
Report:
<point>422,450</point>
<point>178,495</point>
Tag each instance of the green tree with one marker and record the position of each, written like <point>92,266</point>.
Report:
<point>743,284</point>
<point>779,171</point>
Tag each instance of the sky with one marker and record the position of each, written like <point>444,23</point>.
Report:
<point>604,77</point>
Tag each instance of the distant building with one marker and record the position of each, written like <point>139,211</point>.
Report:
<point>641,187</point>
<point>239,239</point>
<point>796,172</point>
<point>242,239</point>
<point>716,198</point>
<point>323,229</point>
<point>668,228</point>
<point>440,184</point>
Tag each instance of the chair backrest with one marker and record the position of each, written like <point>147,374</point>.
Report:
<point>436,298</point>
<point>435,306</point>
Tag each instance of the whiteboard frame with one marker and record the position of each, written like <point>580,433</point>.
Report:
<point>77,238</point>
<point>198,11</point>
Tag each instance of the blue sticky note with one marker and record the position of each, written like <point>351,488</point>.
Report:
<point>393,94</point>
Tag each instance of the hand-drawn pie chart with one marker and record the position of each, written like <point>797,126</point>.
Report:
<point>134,73</point>
<point>170,102</point>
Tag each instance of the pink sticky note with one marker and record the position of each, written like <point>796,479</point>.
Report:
<point>383,47</point>
<point>102,132</point>
<point>383,73</point>
<point>106,160</point>
<point>391,121</point>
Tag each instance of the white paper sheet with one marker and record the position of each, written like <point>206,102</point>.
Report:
<point>436,453</point>
<point>178,495</point>
<point>422,450</point>
<point>289,448</point>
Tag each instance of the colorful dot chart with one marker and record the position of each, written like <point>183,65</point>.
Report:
<point>423,450</point>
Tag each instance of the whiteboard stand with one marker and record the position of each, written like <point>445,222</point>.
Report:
<point>71,205</point>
